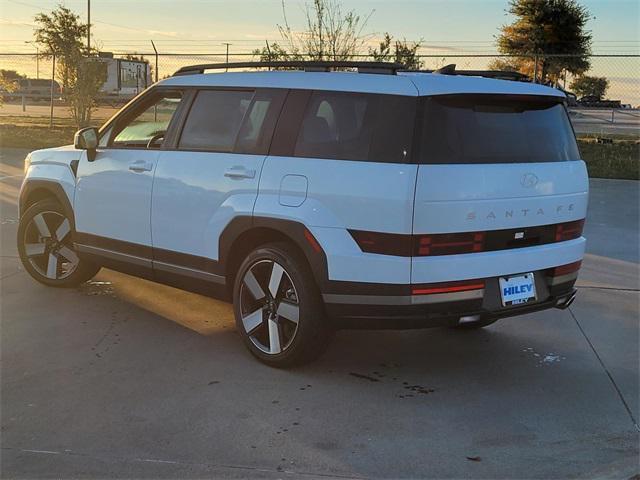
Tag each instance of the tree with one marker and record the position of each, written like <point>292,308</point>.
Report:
<point>330,34</point>
<point>62,35</point>
<point>9,82</point>
<point>542,28</point>
<point>403,52</point>
<point>590,86</point>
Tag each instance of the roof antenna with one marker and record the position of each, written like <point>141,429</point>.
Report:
<point>447,69</point>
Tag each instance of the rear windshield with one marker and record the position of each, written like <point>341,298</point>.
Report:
<point>495,129</point>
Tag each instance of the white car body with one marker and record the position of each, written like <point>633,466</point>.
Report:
<point>172,214</point>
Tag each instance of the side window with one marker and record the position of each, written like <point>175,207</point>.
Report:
<point>357,126</point>
<point>232,121</point>
<point>215,119</point>
<point>337,125</point>
<point>149,122</point>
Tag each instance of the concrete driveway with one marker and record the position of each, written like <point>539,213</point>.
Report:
<point>126,378</point>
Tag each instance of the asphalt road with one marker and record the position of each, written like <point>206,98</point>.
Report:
<point>126,378</point>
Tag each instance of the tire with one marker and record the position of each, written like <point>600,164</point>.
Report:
<point>45,245</point>
<point>278,308</point>
<point>476,324</point>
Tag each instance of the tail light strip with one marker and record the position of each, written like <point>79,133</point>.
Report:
<point>447,287</point>
<point>422,245</point>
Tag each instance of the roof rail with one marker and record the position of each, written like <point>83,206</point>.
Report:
<point>499,74</point>
<point>308,66</point>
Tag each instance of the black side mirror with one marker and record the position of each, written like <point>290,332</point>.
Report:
<point>87,139</point>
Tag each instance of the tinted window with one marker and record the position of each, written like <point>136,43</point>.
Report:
<point>215,119</point>
<point>352,126</point>
<point>151,120</point>
<point>495,129</point>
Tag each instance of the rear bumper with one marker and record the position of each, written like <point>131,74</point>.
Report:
<point>353,308</point>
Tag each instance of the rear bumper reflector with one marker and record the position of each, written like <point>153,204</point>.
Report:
<point>448,287</point>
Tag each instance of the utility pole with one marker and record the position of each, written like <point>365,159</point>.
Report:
<point>88,27</point>
<point>227,61</point>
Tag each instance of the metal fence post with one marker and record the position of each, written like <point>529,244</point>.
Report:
<point>156,52</point>
<point>53,76</point>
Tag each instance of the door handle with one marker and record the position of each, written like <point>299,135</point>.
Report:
<point>239,172</point>
<point>141,166</point>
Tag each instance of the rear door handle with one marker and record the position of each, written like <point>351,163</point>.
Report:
<point>141,166</point>
<point>239,172</point>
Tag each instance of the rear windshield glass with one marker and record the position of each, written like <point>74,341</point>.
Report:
<point>495,129</point>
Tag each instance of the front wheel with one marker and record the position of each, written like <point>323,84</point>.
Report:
<point>277,307</point>
<point>45,245</point>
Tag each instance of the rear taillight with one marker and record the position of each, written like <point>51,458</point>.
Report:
<point>383,243</point>
<point>569,230</point>
<point>448,243</point>
<point>565,269</point>
<point>447,287</point>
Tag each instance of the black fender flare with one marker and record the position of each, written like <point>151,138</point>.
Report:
<point>52,187</point>
<point>292,229</point>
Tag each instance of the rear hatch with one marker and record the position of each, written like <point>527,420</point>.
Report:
<point>496,164</point>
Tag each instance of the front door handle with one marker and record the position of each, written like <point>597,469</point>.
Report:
<point>141,166</point>
<point>239,172</point>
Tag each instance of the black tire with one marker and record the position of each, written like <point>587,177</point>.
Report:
<point>49,260</point>
<point>476,324</point>
<point>261,316</point>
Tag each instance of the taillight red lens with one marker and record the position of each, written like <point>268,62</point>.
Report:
<point>569,230</point>
<point>383,243</point>
<point>566,269</point>
<point>447,287</point>
<point>448,243</point>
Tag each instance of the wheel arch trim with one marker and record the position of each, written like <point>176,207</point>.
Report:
<point>29,187</point>
<point>290,229</point>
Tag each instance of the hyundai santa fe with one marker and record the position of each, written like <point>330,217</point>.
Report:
<point>314,199</point>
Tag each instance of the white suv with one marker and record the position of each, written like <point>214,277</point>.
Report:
<point>321,199</point>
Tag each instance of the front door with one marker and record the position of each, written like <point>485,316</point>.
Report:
<point>112,203</point>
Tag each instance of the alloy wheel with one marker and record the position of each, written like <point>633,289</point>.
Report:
<point>48,245</point>
<point>269,306</point>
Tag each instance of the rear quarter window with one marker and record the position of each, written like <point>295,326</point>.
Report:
<point>355,126</point>
<point>495,129</point>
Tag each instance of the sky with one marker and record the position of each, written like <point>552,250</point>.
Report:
<point>202,25</point>
<point>445,27</point>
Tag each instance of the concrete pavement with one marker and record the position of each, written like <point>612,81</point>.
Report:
<point>126,378</point>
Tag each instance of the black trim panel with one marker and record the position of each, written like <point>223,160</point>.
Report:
<point>54,188</point>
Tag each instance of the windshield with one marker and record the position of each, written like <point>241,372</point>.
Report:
<point>495,129</point>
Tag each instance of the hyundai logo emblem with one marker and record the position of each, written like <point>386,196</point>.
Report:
<point>529,180</point>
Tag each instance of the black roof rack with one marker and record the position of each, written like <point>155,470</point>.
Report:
<point>499,74</point>
<point>308,66</point>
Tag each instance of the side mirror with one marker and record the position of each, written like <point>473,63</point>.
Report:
<point>87,139</point>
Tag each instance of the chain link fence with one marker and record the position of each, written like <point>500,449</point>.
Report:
<point>622,72</point>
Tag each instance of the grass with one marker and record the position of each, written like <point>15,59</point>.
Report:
<point>619,159</point>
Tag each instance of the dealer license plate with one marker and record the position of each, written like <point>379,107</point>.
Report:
<point>518,289</point>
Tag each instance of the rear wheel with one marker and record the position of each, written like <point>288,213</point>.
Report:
<point>278,308</point>
<point>45,245</point>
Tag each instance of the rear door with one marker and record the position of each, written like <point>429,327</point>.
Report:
<point>494,162</point>
<point>209,176</point>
